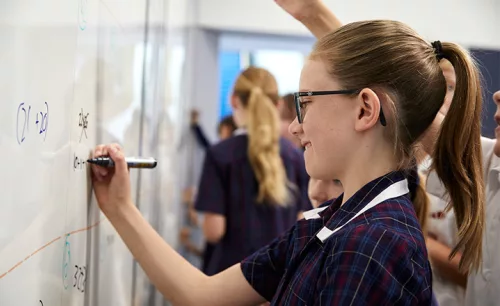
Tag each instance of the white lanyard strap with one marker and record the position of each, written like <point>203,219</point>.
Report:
<point>393,191</point>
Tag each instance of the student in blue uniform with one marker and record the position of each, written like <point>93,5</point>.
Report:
<point>361,111</point>
<point>253,185</point>
<point>286,108</point>
<point>225,129</point>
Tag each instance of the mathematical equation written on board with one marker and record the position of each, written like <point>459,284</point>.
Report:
<point>83,123</point>
<point>79,272</point>
<point>32,119</point>
<point>78,163</point>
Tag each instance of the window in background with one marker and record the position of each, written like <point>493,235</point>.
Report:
<point>283,64</point>
<point>489,64</point>
<point>229,68</point>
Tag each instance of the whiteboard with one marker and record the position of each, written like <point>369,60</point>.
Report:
<point>75,73</point>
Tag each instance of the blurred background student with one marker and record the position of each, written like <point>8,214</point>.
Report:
<point>321,191</point>
<point>225,129</point>
<point>286,108</point>
<point>254,185</point>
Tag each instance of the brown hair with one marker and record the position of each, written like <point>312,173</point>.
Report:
<point>258,92</point>
<point>227,121</point>
<point>402,68</point>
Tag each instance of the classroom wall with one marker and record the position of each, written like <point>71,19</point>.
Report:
<point>472,23</point>
<point>262,24</point>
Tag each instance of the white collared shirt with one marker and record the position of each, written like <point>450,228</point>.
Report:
<point>442,224</point>
<point>240,131</point>
<point>483,287</point>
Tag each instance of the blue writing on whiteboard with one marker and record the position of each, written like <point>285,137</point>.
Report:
<point>82,14</point>
<point>23,121</point>
<point>66,262</point>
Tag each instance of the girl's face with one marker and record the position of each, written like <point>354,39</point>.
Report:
<point>327,131</point>
<point>225,132</point>
<point>321,191</point>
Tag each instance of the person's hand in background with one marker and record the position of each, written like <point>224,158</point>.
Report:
<point>313,14</point>
<point>111,185</point>
<point>299,9</point>
<point>194,117</point>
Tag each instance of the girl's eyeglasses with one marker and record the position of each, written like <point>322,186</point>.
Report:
<point>301,113</point>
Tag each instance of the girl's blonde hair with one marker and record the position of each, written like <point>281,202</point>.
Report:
<point>258,92</point>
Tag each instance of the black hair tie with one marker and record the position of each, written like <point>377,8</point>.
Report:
<point>438,49</point>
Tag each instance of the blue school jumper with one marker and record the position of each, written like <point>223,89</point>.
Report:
<point>228,187</point>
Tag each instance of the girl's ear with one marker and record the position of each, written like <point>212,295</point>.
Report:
<point>368,110</point>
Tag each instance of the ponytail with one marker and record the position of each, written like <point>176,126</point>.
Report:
<point>419,197</point>
<point>457,157</point>
<point>264,150</point>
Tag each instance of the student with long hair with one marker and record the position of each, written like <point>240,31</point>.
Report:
<point>253,185</point>
<point>433,210</point>
<point>361,111</point>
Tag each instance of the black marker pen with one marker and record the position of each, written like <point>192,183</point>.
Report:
<point>132,162</point>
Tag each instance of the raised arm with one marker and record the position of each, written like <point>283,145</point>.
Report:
<point>201,138</point>
<point>173,276</point>
<point>313,14</point>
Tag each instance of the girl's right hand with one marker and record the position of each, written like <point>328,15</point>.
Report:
<point>111,185</point>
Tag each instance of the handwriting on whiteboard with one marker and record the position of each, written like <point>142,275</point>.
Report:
<point>82,14</point>
<point>78,163</point>
<point>80,278</point>
<point>83,122</point>
<point>25,120</point>
<point>66,262</point>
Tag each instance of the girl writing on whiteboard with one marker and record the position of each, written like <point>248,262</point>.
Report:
<point>253,185</point>
<point>359,118</point>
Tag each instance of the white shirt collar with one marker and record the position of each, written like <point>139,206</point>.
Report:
<point>240,131</point>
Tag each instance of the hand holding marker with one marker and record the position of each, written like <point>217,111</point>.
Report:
<point>132,162</point>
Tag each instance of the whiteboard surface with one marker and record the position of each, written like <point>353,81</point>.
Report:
<point>72,77</point>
